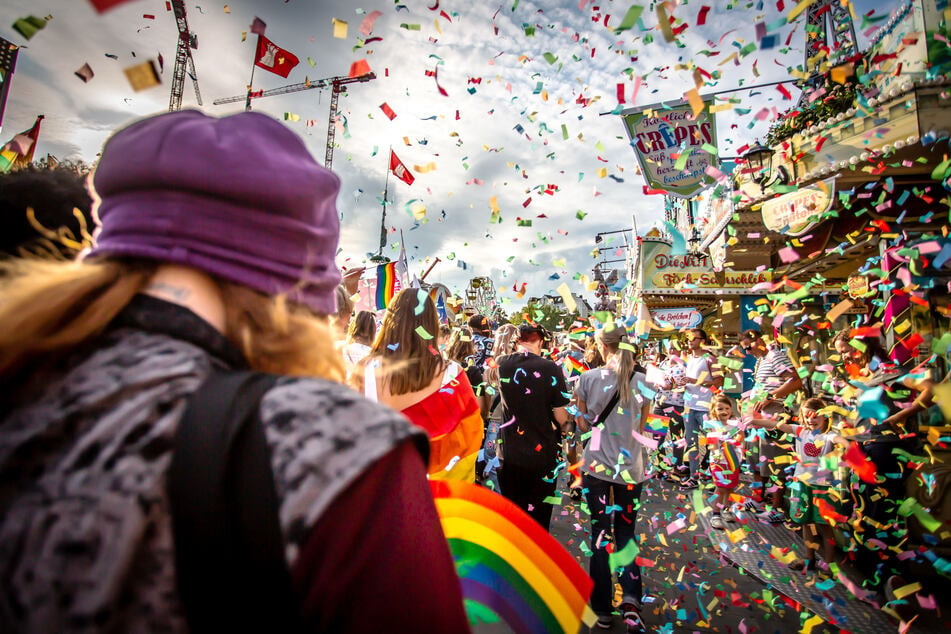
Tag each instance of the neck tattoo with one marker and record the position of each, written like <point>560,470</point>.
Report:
<point>176,293</point>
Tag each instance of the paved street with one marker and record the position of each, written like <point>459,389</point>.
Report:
<point>692,587</point>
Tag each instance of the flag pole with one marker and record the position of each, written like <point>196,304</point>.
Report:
<point>254,60</point>
<point>435,262</point>
<point>386,188</point>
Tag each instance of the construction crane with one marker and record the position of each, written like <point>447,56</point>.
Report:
<point>183,58</point>
<point>336,84</point>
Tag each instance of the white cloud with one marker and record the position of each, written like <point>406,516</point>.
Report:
<point>79,116</point>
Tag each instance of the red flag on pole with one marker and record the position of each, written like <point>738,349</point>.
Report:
<point>272,57</point>
<point>399,170</point>
<point>104,5</point>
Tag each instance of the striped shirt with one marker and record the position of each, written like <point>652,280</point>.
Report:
<point>769,370</point>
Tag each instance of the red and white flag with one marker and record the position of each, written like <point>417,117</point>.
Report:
<point>399,170</point>
<point>272,57</point>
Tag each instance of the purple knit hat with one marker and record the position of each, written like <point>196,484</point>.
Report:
<point>238,197</point>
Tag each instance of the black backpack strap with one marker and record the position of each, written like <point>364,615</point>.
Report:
<point>230,565</point>
<point>603,416</point>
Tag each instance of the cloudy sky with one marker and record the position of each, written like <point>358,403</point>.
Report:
<point>550,68</point>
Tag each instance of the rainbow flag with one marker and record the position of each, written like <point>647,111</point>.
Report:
<point>7,158</point>
<point>731,457</point>
<point>580,333</point>
<point>18,153</point>
<point>575,367</point>
<point>658,424</point>
<point>509,564</point>
<point>385,284</point>
<point>452,419</point>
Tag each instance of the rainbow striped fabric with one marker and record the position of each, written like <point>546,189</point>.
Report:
<point>7,158</point>
<point>731,456</point>
<point>452,419</point>
<point>575,367</point>
<point>385,284</point>
<point>509,564</point>
<point>581,333</point>
<point>658,424</point>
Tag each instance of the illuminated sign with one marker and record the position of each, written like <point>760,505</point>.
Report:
<point>799,211</point>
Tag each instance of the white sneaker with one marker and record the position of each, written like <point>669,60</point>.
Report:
<point>728,516</point>
<point>771,517</point>
<point>717,522</point>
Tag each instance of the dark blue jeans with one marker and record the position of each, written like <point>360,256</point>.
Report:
<point>693,423</point>
<point>489,473</point>
<point>618,527</point>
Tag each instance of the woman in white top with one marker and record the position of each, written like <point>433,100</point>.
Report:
<point>360,337</point>
<point>615,461</point>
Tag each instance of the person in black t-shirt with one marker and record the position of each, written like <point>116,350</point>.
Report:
<point>534,396</point>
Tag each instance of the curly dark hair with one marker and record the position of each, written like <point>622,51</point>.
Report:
<point>61,218</point>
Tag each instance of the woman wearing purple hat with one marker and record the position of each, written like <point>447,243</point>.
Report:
<point>215,254</point>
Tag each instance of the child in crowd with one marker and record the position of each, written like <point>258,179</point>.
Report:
<point>813,505</point>
<point>724,441</point>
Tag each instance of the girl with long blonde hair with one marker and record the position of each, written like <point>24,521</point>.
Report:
<point>613,408</point>
<point>406,371</point>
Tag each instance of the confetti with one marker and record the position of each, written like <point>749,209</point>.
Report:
<point>340,29</point>
<point>29,26</point>
<point>142,76</point>
<point>85,73</point>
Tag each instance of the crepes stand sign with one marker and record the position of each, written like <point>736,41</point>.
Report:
<point>673,147</point>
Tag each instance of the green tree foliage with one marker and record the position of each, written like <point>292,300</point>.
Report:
<point>550,317</point>
<point>838,98</point>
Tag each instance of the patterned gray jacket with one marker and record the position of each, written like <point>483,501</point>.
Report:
<point>85,530</point>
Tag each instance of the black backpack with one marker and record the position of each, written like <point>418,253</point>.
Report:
<point>230,567</point>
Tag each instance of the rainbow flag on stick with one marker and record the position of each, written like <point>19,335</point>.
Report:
<point>386,280</point>
<point>575,367</point>
<point>658,424</point>
<point>579,334</point>
<point>509,564</point>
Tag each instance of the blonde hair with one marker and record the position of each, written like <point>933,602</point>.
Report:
<point>460,345</point>
<point>410,362</point>
<point>50,307</point>
<point>612,340</point>
<point>506,338</point>
<point>720,398</point>
<point>344,309</point>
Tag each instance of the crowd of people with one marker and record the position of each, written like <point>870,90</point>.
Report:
<point>200,267</point>
<point>833,464</point>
